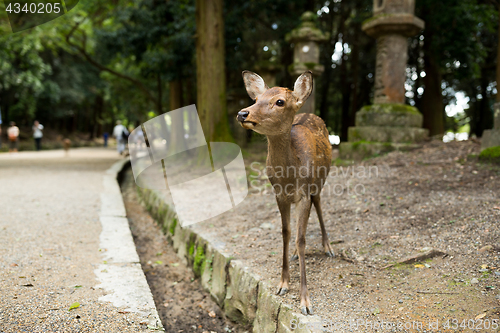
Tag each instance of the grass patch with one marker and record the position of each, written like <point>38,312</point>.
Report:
<point>490,155</point>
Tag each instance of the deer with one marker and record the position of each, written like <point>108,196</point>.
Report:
<point>296,142</point>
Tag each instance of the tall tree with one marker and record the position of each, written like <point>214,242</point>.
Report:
<point>211,70</point>
<point>452,51</point>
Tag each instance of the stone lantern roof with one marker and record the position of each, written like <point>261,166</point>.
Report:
<point>393,16</point>
<point>307,30</point>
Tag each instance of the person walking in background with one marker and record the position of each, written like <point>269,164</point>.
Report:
<point>13,134</point>
<point>121,134</point>
<point>105,136</point>
<point>37,134</point>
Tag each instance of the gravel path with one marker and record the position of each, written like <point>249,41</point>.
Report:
<point>378,212</point>
<point>49,244</point>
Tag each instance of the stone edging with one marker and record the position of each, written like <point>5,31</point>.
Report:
<point>121,274</point>
<point>244,297</point>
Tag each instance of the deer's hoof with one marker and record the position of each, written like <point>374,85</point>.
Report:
<point>330,254</point>
<point>294,257</point>
<point>306,310</point>
<point>282,291</point>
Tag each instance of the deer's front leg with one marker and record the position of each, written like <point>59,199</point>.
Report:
<point>303,211</point>
<point>285,222</point>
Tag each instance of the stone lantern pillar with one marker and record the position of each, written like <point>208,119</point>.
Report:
<point>306,38</point>
<point>388,124</point>
<point>491,138</point>
<point>267,65</point>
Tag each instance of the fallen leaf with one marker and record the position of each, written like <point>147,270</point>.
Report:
<point>211,314</point>
<point>155,328</point>
<point>419,266</point>
<point>74,306</point>
<point>159,262</point>
<point>175,264</point>
<point>77,286</point>
<point>481,316</point>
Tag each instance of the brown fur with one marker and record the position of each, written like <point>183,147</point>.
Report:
<point>298,162</point>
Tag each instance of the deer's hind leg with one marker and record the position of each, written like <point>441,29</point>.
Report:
<point>316,200</point>
<point>326,244</point>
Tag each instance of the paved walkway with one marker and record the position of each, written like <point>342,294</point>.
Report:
<point>64,239</point>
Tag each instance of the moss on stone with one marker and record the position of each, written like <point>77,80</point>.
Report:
<point>373,18</point>
<point>172,226</point>
<point>190,248</point>
<point>491,155</point>
<point>207,264</point>
<point>390,108</point>
<point>161,210</point>
<point>199,259</point>
<point>310,65</point>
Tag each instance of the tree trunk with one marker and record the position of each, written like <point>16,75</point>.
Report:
<point>159,104</point>
<point>327,62</point>
<point>346,96</point>
<point>355,77</point>
<point>211,70</point>
<point>98,105</point>
<point>177,141</point>
<point>498,58</point>
<point>484,115</point>
<point>432,106</point>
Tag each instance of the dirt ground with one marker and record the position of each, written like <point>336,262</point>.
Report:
<point>378,212</point>
<point>182,304</point>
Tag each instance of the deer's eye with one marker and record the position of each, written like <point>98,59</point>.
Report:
<point>280,102</point>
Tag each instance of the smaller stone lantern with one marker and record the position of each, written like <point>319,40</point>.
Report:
<point>491,138</point>
<point>267,65</point>
<point>306,38</point>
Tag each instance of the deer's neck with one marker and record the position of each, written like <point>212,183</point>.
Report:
<point>280,150</point>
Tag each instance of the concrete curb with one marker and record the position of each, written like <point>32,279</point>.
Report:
<point>121,275</point>
<point>244,297</point>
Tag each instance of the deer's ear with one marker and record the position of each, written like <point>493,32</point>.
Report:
<point>254,84</point>
<point>303,87</point>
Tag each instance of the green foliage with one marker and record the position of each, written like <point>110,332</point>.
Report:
<point>491,155</point>
<point>172,226</point>
<point>199,260</point>
<point>460,38</point>
<point>22,72</point>
<point>152,42</point>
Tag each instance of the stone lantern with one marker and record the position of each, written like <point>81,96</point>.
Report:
<point>267,65</point>
<point>306,38</point>
<point>388,124</point>
<point>491,138</point>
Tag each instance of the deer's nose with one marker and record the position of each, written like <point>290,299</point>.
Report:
<point>242,115</point>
